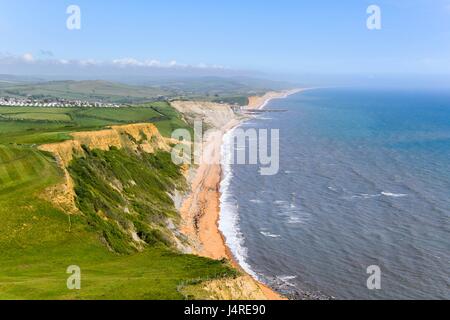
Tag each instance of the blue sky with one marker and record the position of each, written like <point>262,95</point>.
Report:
<point>284,36</point>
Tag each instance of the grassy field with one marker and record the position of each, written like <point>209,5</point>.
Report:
<point>28,125</point>
<point>233,90</point>
<point>84,90</point>
<point>38,242</point>
<point>37,248</point>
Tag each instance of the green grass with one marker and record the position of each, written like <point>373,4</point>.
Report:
<point>117,189</point>
<point>121,115</point>
<point>202,88</point>
<point>35,125</point>
<point>155,274</point>
<point>9,110</point>
<point>84,90</point>
<point>23,169</point>
<point>172,121</point>
<point>239,100</point>
<point>38,242</point>
<point>40,116</point>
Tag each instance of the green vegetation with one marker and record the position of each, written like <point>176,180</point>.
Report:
<point>33,125</point>
<point>240,100</point>
<point>195,88</point>
<point>60,117</point>
<point>172,119</point>
<point>117,191</point>
<point>84,90</point>
<point>23,170</point>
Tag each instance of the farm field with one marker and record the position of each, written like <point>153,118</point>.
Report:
<point>34,125</point>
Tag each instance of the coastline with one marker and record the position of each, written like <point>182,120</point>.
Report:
<point>201,210</point>
<point>260,102</point>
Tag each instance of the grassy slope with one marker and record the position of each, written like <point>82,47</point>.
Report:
<point>144,182</point>
<point>37,243</point>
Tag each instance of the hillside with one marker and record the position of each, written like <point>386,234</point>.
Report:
<point>217,89</point>
<point>122,231</point>
<point>84,90</point>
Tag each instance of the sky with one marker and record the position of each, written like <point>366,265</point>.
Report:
<point>291,37</point>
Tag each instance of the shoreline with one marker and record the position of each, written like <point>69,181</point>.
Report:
<point>260,102</point>
<point>201,210</point>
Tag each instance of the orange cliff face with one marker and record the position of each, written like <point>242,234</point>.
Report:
<point>254,102</point>
<point>146,136</point>
<point>133,136</point>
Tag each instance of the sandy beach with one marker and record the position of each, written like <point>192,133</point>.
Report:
<point>259,102</point>
<point>200,211</point>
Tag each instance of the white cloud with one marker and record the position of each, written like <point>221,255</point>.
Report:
<point>123,62</point>
<point>127,62</point>
<point>42,61</point>
<point>153,63</point>
<point>28,57</point>
<point>88,62</point>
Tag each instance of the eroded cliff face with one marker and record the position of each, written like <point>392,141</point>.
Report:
<point>240,288</point>
<point>145,136</point>
<point>134,136</point>
<point>215,115</point>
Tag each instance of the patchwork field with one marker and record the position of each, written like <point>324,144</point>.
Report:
<point>39,242</point>
<point>29,125</point>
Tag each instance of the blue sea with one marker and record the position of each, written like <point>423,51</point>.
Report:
<point>364,180</point>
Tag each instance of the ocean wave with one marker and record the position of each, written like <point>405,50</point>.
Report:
<point>256,201</point>
<point>229,213</point>
<point>296,220</point>
<point>287,280</point>
<point>377,195</point>
<point>369,196</point>
<point>395,195</point>
<point>269,235</point>
<point>362,196</point>
<point>286,206</point>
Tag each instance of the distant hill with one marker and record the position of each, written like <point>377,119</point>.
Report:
<point>83,90</point>
<point>8,80</point>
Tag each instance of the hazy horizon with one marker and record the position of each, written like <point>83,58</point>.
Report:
<point>320,43</point>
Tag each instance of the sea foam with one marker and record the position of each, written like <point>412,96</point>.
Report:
<point>395,195</point>
<point>229,211</point>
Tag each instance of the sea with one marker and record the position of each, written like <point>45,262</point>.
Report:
<point>364,183</point>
